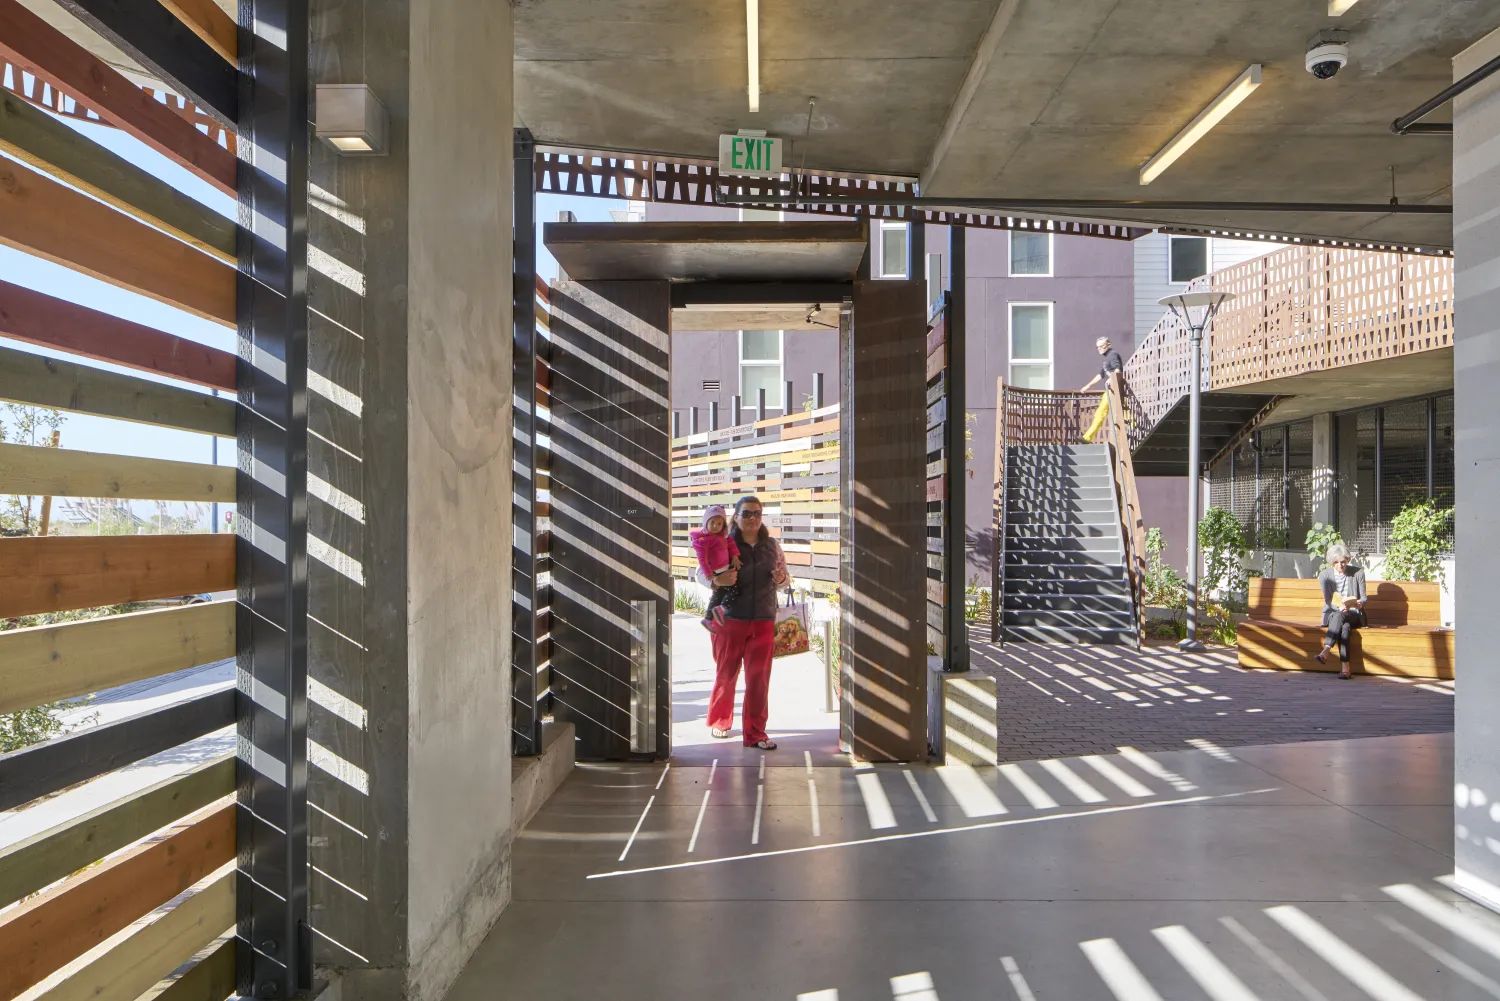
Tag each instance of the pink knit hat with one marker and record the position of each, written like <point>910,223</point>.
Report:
<point>714,510</point>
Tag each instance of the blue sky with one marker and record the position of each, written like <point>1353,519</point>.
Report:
<point>99,434</point>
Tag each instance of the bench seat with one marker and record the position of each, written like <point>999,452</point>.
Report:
<point>1404,638</point>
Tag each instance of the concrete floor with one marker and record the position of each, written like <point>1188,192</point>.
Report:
<point>1303,871</point>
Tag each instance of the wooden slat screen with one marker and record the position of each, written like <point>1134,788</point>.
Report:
<point>165,891</point>
<point>57,574</point>
<point>802,505</point>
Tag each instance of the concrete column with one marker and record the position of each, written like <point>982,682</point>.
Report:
<point>409,525</point>
<point>1324,476</point>
<point>1476,364</point>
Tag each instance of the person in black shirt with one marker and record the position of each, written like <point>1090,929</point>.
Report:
<point>1112,363</point>
<point>745,638</point>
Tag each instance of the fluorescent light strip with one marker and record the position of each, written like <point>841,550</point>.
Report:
<point>752,45</point>
<point>1337,8</point>
<point>1217,110</point>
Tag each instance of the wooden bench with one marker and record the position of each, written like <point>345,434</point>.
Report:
<point>1405,635</point>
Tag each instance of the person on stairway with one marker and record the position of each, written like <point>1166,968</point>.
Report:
<point>1112,363</point>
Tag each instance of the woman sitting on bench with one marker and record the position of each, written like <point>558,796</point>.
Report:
<point>1343,604</point>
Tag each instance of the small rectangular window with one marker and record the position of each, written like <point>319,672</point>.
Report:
<point>754,378</point>
<point>1188,258</point>
<point>1030,253</point>
<point>893,250</point>
<point>1031,345</point>
<point>760,367</point>
<point>760,345</point>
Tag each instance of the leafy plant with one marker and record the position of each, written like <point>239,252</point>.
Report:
<point>969,421</point>
<point>1163,585</point>
<point>976,601</point>
<point>1174,628</point>
<point>687,599</point>
<point>1223,541</point>
<point>25,727</point>
<point>1320,538</point>
<point>1420,536</point>
<point>22,425</point>
<point>1270,540</point>
<point>1221,628</point>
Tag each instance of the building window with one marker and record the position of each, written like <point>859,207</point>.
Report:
<point>1384,458</point>
<point>1030,253</point>
<point>760,367</point>
<point>1031,345</point>
<point>1187,258</point>
<point>892,245</point>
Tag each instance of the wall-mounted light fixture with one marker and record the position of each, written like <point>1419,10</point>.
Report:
<point>1233,95</point>
<point>351,119</point>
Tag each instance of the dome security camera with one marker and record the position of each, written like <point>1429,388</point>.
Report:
<point>1327,53</point>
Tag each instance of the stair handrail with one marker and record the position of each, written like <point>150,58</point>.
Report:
<point>1132,525</point>
<point>997,519</point>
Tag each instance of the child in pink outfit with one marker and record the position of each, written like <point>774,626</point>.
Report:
<point>716,552</point>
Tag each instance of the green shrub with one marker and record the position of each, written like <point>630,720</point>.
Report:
<point>1223,541</point>
<point>976,601</point>
<point>1163,586</point>
<point>687,599</point>
<point>1320,538</point>
<point>1420,537</point>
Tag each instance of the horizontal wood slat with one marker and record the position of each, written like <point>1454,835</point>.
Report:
<point>45,217</point>
<point>30,42</point>
<point>209,979</point>
<point>55,853</point>
<point>63,385</point>
<point>45,768</point>
<point>1391,603</point>
<point>38,318</point>
<point>60,472</point>
<point>168,50</point>
<point>45,934</point>
<point>49,146</point>
<point>137,963</point>
<point>59,573</point>
<point>48,663</point>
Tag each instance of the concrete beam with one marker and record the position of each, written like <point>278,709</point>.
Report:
<point>978,67</point>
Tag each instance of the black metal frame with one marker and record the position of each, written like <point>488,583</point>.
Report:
<point>955,447</point>
<point>275,955</point>
<point>50,767</point>
<point>526,722</point>
<point>167,48</point>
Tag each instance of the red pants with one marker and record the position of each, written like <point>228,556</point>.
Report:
<point>749,643</point>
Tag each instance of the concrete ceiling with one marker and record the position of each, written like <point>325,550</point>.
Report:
<point>1064,101</point>
<point>1352,386</point>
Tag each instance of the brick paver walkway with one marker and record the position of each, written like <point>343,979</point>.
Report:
<point>1066,700</point>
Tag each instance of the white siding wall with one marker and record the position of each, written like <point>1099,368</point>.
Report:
<point>1151,272</point>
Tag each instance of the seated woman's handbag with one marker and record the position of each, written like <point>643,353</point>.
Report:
<point>791,636</point>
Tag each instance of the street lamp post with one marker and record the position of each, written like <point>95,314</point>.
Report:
<point>1185,305</point>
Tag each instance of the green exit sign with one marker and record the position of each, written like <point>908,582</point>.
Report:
<point>757,156</point>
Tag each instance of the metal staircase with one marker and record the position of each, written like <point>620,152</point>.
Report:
<point>1065,577</point>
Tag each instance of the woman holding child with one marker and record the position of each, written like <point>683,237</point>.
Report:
<point>744,626</point>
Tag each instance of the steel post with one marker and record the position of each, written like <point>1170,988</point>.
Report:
<point>1195,489</point>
